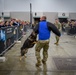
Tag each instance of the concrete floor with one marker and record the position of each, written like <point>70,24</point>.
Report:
<point>65,50</point>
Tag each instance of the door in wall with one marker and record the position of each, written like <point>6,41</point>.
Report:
<point>63,20</point>
<point>36,20</point>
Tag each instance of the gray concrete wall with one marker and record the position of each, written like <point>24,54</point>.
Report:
<point>72,16</point>
<point>51,16</point>
<point>21,15</point>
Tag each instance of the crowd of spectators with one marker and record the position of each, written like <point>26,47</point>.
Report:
<point>13,22</point>
<point>70,27</point>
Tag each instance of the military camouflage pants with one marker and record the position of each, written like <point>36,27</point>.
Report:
<point>38,48</point>
<point>57,39</point>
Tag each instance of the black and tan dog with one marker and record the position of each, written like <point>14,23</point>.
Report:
<point>29,43</point>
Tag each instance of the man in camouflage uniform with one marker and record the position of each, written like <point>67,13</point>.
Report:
<point>43,29</point>
<point>58,25</point>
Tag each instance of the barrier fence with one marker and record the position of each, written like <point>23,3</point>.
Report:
<point>71,30</point>
<point>8,37</point>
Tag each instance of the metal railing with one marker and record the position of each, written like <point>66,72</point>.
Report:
<point>9,36</point>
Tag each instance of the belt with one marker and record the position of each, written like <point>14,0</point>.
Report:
<point>44,41</point>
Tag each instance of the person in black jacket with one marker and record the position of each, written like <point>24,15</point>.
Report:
<point>43,29</point>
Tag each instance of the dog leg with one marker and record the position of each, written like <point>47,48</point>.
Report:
<point>21,57</point>
<point>26,50</point>
<point>25,56</point>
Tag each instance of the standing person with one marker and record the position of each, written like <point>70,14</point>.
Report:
<point>43,29</point>
<point>58,25</point>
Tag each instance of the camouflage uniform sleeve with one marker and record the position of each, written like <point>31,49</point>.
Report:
<point>59,26</point>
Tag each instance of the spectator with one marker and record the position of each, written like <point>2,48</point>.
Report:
<point>11,23</point>
<point>6,23</point>
<point>2,24</point>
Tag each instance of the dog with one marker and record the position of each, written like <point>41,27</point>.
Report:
<point>29,43</point>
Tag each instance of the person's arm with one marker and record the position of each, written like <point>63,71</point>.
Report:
<point>53,28</point>
<point>36,28</point>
